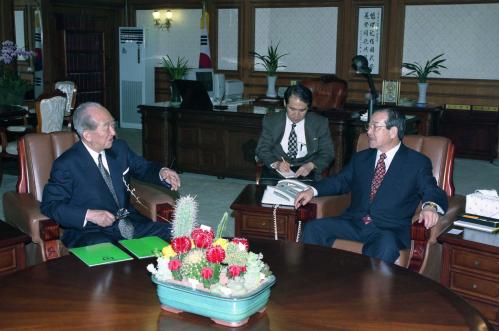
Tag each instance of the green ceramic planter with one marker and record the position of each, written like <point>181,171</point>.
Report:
<point>225,311</point>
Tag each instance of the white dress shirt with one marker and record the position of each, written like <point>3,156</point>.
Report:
<point>300,137</point>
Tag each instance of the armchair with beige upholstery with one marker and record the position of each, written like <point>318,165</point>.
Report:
<point>37,151</point>
<point>328,92</point>
<point>424,256</point>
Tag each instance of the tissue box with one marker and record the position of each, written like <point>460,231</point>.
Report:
<point>484,205</point>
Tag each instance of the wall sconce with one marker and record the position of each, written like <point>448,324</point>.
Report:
<point>162,19</point>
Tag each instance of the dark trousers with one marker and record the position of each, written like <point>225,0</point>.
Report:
<point>142,228</point>
<point>378,243</point>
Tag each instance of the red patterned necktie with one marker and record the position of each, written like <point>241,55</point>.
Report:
<point>379,173</point>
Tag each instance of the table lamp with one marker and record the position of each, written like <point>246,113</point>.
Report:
<point>361,66</point>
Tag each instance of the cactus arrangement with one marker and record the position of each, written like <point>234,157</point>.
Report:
<point>199,256</point>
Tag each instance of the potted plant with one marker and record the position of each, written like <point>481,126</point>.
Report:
<point>12,87</point>
<point>270,62</point>
<point>176,70</point>
<point>432,66</point>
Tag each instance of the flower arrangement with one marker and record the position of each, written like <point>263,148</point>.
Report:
<point>204,260</point>
<point>270,61</point>
<point>431,66</point>
<point>11,86</point>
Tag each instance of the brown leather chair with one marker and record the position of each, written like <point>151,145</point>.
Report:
<point>37,151</point>
<point>328,92</point>
<point>425,254</point>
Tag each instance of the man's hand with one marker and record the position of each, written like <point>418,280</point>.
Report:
<point>171,177</point>
<point>283,166</point>
<point>429,216</point>
<point>102,218</point>
<point>305,169</point>
<point>303,198</point>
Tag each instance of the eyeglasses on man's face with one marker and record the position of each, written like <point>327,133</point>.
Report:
<point>374,126</point>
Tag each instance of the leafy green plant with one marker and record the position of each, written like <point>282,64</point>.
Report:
<point>432,66</point>
<point>176,70</point>
<point>270,61</point>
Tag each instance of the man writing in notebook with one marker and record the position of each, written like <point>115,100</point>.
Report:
<point>88,190</point>
<point>295,140</point>
<point>386,182</point>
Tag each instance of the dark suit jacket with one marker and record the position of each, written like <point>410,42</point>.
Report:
<point>75,185</point>
<point>319,144</point>
<point>408,181</point>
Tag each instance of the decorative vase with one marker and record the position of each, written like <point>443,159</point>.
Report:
<point>228,311</point>
<point>271,80</point>
<point>175,99</point>
<point>422,87</point>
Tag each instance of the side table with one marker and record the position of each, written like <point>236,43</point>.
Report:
<point>12,256</point>
<point>254,220</point>
<point>471,269</point>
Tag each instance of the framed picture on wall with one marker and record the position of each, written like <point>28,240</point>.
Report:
<point>390,92</point>
<point>369,35</point>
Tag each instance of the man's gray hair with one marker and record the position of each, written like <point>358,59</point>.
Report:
<point>82,119</point>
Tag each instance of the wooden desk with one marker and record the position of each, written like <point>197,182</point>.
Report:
<point>316,289</point>
<point>223,143</point>
<point>12,256</point>
<point>471,269</point>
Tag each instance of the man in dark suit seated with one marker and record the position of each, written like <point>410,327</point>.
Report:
<point>386,182</point>
<point>88,190</point>
<point>295,140</point>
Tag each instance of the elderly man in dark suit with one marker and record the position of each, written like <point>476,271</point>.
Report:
<point>386,182</point>
<point>88,190</point>
<point>295,140</point>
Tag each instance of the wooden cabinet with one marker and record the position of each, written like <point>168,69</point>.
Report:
<point>471,269</point>
<point>12,256</point>
<point>84,64</point>
<point>253,220</point>
<point>473,132</point>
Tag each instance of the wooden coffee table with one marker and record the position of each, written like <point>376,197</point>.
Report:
<point>254,220</point>
<point>317,288</point>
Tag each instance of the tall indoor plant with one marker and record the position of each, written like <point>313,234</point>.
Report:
<point>176,70</point>
<point>432,66</point>
<point>12,87</point>
<point>270,62</point>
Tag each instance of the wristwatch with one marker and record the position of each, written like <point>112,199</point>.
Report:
<point>430,204</point>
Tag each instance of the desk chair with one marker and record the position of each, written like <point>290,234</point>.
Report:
<point>69,88</point>
<point>425,253</point>
<point>37,151</point>
<point>328,92</point>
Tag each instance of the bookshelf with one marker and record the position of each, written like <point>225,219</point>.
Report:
<point>84,64</point>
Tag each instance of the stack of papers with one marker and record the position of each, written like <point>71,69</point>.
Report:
<point>476,222</point>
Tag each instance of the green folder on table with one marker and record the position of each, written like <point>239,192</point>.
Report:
<point>144,247</point>
<point>98,254</point>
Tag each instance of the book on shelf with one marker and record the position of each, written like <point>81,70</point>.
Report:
<point>99,254</point>
<point>144,247</point>
<point>477,222</point>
